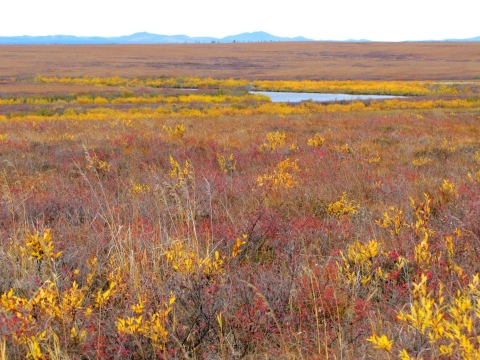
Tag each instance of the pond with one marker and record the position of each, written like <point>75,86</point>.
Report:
<point>298,97</point>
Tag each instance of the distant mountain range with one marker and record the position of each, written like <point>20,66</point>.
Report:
<point>143,38</point>
<point>466,40</point>
<point>148,38</point>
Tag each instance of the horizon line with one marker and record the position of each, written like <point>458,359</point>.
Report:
<point>213,38</point>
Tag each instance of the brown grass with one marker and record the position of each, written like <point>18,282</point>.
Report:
<point>319,60</point>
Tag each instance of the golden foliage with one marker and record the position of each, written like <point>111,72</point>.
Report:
<point>374,159</point>
<point>422,213</point>
<point>316,141</point>
<point>474,176</point>
<point>232,109</point>
<point>358,264</point>
<point>238,244</point>
<point>273,141</point>
<point>185,260</point>
<point>138,189</point>
<point>178,130</point>
<point>381,342</point>
<point>178,173</point>
<point>103,296</point>
<point>329,86</point>
<point>345,148</point>
<point>40,247</point>
<point>393,220</point>
<point>421,161</point>
<point>282,177</point>
<point>343,207</point>
<point>423,256</point>
<point>152,326</point>
<point>477,156</point>
<point>226,164</point>
<point>131,98</point>
<point>347,87</point>
<point>449,325</point>
<point>448,190</point>
<point>97,165</point>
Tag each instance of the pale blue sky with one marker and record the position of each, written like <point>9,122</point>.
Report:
<point>379,20</point>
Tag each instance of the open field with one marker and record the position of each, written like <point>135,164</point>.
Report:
<point>142,221</point>
<point>336,61</point>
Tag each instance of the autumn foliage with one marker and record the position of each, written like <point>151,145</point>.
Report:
<point>332,86</point>
<point>240,229</point>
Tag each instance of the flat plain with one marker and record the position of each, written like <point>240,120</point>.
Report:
<point>333,61</point>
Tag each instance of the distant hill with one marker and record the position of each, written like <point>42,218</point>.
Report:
<point>259,36</point>
<point>142,38</point>
<point>465,40</point>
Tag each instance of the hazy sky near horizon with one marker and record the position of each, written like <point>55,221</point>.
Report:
<point>377,20</point>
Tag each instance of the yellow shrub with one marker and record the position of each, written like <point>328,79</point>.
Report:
<point>84,100</point>
<point>447,325</point>
<point>448,190</point>
<point>97,165</point>
<point>185,260</point>
<point>178,130</point>
<point>474,176</point>
<point>137,189</point>
<point>421,161</point>
<point>226,164</point>
<point>343,207</point>
<point>381,342</point>
<point>273,141</point>
<point>477,157</point>
<point>40,247</point>
<point>347,149</point>
<point>357,266</point>
<point>393,221</point>
<point>100,100</point>
<point>316,141</point>
<point>374,159</point>
<point>282,177</point>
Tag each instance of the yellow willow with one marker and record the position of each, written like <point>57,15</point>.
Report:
<point>330,86</point>
<point>280,109</point>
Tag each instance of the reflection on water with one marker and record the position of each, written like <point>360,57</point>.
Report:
<point>297,97</point>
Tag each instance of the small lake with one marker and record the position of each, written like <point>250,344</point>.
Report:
<point>298,97</point>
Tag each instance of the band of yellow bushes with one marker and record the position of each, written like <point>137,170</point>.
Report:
<point>262,109</point>
<point>411,88</point>
<point>132,99</point>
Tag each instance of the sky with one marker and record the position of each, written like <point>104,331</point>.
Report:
<point>377,20</point>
